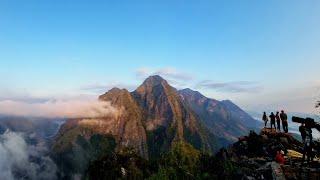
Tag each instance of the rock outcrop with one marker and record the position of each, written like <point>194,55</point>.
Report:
<point>255,156</point>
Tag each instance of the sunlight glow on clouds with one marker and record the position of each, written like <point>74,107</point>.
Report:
<point>72,108</point>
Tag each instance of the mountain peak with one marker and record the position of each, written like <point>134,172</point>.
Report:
<point>154,86</point>
<point>113,93</point>
<point>115,89</point>
<point>154,80</point>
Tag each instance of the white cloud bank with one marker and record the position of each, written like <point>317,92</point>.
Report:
<point>73,108</point>
<point>16,159</point>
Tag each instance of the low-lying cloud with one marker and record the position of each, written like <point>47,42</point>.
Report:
<point>18,160</point>
<point>73,108</point>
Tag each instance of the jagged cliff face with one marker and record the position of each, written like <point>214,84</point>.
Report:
<point>224,119</point>
<point>125,126</point>
<point>159,103</point>
<point>168,119</point>
<point>128,126</point>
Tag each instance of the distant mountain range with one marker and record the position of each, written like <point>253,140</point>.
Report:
<point>223,118</point>
<point>152,119</point>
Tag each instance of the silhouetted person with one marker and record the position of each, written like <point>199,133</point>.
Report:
<point>278,120</point>
<point>303,132</point>
<point>273,120</point>
<point>307,149</point>
<point>284,119</point>
<point>265,119</point>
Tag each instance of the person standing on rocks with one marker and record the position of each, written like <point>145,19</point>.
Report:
<point>265,119</point>
<point>278,120</point>
<point>284,119</point>
<point>307,149</point>
<point>273,120</point>
<point>303,132</point>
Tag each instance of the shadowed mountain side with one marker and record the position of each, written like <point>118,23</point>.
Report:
<point>129,124</point>
<point>126,126</point>
<point>224,119</point>
<point>168,119</point>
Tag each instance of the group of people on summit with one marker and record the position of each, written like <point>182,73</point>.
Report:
<point>305,130</point>
<point>276,118</point>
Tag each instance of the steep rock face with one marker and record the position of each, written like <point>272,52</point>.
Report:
<point>160,103</point>
<point>222,119</point>
<point>125,126</point>
<point>168,119</point>
<point>128,128</point>
<point>81,141</point>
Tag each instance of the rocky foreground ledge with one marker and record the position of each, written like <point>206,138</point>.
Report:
<point>255,154</point>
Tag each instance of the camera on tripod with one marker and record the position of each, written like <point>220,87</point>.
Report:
<point>309,122</point>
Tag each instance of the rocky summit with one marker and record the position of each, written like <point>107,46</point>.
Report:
<point>254,156</point>
<point>151,120</point>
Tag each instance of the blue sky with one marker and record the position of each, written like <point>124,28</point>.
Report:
<point>260,54</point>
